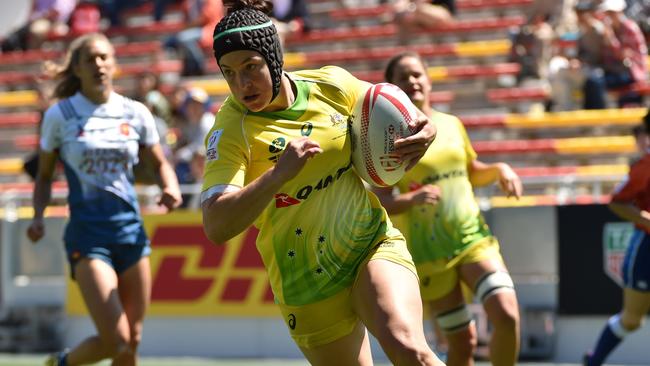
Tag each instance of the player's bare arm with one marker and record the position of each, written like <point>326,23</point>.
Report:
<point>482,174</point>
<point>220,224</point>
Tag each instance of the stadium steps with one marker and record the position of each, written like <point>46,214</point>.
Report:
<point>37,56</point>
<point>11,167</point>
<point>559,146</point>
<point>19,119</point>
<point>18,99</point>
<point>570,119</point>
<point>390,31</point>
<point>439,74</point>
<point>124,70</point>
<point>379,10</point>
<point>544,200</point>
<point>488,48</point>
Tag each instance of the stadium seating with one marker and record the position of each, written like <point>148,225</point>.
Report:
<point>37,56</point>
<point>388,31</point>
<point>467,69</point>
<point>19,119</point>
<point>626,117</point>
<point>376,11</point>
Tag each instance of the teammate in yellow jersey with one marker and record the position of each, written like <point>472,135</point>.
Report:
<point>447,235</point>
<point>278,157</point>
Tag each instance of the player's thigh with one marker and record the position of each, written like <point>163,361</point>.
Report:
<point>636,305</point>
<point>135,291</point>
<point>98,286</point>
<point>480,260</point>
<point>386,297</point>
<point>350,350</point>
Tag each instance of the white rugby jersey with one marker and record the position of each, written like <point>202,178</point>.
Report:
<point>98,145</point>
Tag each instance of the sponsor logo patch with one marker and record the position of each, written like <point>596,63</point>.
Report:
<point>211,152</point>
<point>284,200</point>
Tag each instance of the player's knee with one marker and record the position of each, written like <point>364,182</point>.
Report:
<point>134,342</point>
<point>631,324</point>
<point>116,344</point>
<point>403,346</point>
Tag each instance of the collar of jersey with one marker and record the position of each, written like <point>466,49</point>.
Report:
<point>296,109</point>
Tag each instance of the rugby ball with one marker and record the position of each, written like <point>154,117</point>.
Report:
<point>380,117</point>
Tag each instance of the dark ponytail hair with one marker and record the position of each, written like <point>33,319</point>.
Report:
<point>265,6</point>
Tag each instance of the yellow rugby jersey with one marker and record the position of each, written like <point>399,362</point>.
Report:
<point>322,223</point>
<point>444,230</point>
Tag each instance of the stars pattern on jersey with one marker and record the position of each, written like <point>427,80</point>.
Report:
<point>291,254</point>
<point>321,239</point>
<point>298,231</point>
<point>319,270</point>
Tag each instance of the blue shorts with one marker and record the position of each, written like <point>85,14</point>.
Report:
<point>119,256</point>
<point>636,265</point>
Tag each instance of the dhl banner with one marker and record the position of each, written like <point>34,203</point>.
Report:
<point>191,276</point>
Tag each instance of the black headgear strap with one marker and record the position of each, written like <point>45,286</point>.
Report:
<point>258,35</point>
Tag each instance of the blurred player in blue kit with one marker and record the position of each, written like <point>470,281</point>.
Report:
<point>631,201</point>
<point>99,136</point>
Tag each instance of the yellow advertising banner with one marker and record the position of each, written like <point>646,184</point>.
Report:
<point>191,276</point>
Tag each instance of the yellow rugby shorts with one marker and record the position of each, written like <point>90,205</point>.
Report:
<point>325,321</point>
<point>439,277</point>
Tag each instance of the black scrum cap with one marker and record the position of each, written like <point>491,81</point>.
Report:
<point>250,29</point>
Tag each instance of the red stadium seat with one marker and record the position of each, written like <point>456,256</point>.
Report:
<point>484,121</point>
<point>35,56</point>
<point>516,94</point>
<point>458,72</point>
<point>11,120</point>
<point>390,30</point>
<point>375,11</point>
<point>514,146</point>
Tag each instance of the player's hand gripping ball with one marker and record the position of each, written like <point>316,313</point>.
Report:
<point>380,117</point>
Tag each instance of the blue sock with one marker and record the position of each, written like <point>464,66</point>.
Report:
<point>611,336</point>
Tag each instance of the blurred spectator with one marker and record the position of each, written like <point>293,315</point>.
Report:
<point>47,17</point>
<point>531,49</point>
<point>201,16</point>
<point>176,101</point>
<point>567,72</point>
<point>148,92</point>
<point>85,18</point>
<point>45,92</point>
<point>114,9</point>
<point>642,139</point>
<point>192,131</point>
<point>639,11</point>
<point>624,58</point>
<point>160,7</point>
<point>194,176</point>
<point>558,14</point>
<point>412,14</point>
<point>290,17</point>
